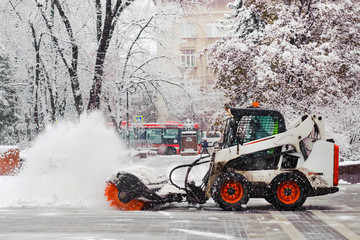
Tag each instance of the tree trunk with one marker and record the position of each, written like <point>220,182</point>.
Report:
<point>37,78</point>
<point>72,69</point>
<point>104,38</point>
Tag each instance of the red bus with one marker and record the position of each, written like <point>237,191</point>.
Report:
<point>165,138</point>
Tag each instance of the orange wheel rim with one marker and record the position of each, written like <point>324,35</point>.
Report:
<point>111,192</point>
<point>288,192</point>
<point>232,191</point>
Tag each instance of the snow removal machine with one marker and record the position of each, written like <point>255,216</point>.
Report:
<point>258,158</point>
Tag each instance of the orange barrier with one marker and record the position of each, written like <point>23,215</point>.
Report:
<point>9,160</point>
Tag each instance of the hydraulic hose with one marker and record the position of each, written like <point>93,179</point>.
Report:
<point>189,166</point>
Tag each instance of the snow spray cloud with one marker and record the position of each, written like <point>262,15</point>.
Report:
<point>67,165</point>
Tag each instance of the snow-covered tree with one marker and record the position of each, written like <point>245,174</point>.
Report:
<point>8,101</point>
<point>297,56</point>
<point>298,53</point>
<point>72,55</point>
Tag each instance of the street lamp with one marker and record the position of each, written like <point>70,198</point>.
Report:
<point>127,88</point>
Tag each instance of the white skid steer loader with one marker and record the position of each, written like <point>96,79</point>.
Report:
<point>258,158</point>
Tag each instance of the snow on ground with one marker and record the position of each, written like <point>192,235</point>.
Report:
<point>204,234</point>
<point>69,163</point>
<point>346,163</point>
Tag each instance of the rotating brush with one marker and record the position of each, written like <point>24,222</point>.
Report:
<point>111,192</point>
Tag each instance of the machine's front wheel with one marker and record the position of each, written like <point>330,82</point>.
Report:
<point>231,191</point>
<point>288,192</point>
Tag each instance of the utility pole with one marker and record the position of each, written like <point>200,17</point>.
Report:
<point>125,88</point>
<point>127,119</point>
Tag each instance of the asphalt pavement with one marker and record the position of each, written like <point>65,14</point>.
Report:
<point>334,216</point>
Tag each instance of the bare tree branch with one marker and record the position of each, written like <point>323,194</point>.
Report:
<point>132,45</point>
<point>98,20</point>
<point>72,68</point>
<point>75,85</point>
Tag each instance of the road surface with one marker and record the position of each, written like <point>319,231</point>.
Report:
<point>335,216</point>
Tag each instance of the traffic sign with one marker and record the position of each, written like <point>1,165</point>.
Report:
<point>139,119</point>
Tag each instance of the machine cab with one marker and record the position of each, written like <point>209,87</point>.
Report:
<point>247,125</point>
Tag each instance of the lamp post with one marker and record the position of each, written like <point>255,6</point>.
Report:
<point>126,88</point>
<point>127,119</point>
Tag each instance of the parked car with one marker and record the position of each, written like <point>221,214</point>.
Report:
<point>212,138</point>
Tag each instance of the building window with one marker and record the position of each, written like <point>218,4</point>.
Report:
<point>213,31</point>
<point>188,58</point>
<point>188,30</point>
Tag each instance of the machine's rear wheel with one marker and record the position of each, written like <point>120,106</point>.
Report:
<point>111,192</point>
<point>288,192</point>
<point>231,191</point>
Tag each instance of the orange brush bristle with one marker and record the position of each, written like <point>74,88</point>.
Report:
<point>111,192</point>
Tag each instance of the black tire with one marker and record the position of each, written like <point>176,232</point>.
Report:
<point>287,192</point>
<point>170,151</point>
<point>231,191</point>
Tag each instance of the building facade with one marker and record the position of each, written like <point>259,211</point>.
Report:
<point>198,27</point>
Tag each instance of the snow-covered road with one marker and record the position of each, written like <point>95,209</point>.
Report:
<point>328,217</point>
